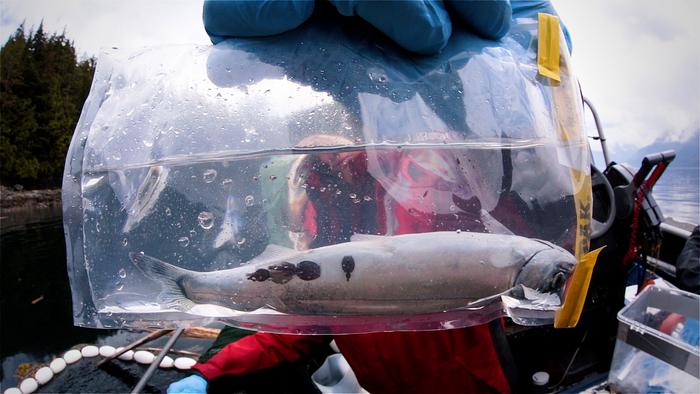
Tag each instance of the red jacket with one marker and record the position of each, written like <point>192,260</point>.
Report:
<point>460,360</point>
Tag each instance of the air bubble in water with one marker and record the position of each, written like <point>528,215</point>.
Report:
<point>168,212</point>
<point>122,273</point>
<point>206,220</point>
<point>147,143</point>
<point>209,175</point>
<point>352,195</point>
<point>183,241</point>
<point>249,201</point>
<point>226,181</point>
<point>241,241</point>
<point>367,198</point>
<point>125,242</point>
<point>192,233</point>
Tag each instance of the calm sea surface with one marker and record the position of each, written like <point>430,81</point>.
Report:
<point>678,194</point>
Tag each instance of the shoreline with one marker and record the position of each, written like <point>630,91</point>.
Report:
<point>12,200</point>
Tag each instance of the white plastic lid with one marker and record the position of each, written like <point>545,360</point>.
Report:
<point>540,378</point>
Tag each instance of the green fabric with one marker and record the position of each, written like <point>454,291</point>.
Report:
<point>226,336</point>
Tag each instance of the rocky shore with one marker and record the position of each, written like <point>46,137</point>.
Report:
<point>17,198</point>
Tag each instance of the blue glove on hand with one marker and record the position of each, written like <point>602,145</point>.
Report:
<point>691,332</point>
<point>421,26</point>
<point>194,384</point>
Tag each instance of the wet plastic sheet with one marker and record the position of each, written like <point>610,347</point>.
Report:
<point>270,163</point>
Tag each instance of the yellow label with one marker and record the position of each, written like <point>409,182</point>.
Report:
<point>548,46</point>
<point>576,291</point>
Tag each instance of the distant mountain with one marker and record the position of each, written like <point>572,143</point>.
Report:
<point>687,152</point>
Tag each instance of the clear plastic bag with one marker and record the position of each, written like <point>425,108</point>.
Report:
<point>318,182</point>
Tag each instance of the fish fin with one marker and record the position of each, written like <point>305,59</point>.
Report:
<point>366,237</point>
<point>481,302</point>
<point>169,276</point>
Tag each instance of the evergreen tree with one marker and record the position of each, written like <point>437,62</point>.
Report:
<point>42,90</point>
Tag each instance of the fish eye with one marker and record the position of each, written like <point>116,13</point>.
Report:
<point>558,280</point>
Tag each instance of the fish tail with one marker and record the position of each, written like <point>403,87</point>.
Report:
<point>173,295</point>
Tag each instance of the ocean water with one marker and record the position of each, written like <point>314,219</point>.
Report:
<point>678,194</point>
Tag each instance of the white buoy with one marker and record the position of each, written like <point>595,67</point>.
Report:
<point>167,362</point>
<point>90,351</point>
<point>12,390</point>
<point>144,357</point>
<point>72,356</point>
<point>28,385</point>
<point>43,375</point>
<point>58,365</point>
<point>184,363</point>
<point>107,351</point>
<point>127,355</point>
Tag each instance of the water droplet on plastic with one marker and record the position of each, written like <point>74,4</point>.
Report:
<point>183,241</point>
<point>116,156</point>
<point>192,233</point>
<point>122,273</point>
<point>125,242</point>
<point>168,212</point>
<point>206,220</point>
<point>120,287</point>
<point>226,181</point>
<point>338,192</point>
<point>322,189</point>
<point>367,198</point>
<point>453,208</point>
<point>273,177</point>
<point>352,195</point>
<point>249,201</point>
<point>241,242</point>
<point>147,143</point>
<point>97,227</point>
<point>458,231</point>
<point>209,175</point>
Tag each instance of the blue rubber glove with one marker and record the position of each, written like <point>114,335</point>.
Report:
<point>194,384</point>
<point>691,332</point>
<point>420,26</point>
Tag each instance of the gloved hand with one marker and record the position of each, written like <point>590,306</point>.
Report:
<point>691,332</point>
<point>194,384</point>
<point>421,26</point>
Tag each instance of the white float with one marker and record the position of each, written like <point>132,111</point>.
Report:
<point>28,385</point>
<point>107,351</point>
<point>12,390</point>
<point>127,355</point>
<point>184,363</point>
<point>90,351</point>
<point>144,357</point>
<point>43,375</point>
<point>72,356</point>
<point>167,362</point>
<point>57,365</point>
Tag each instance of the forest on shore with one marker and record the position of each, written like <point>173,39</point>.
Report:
<point>43,85</point>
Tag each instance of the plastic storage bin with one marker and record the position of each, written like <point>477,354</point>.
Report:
<point>651,354</point>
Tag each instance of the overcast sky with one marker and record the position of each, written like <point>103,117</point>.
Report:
<point>637,60</point>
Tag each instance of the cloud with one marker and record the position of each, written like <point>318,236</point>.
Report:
<point>95,24</point>
<point>638,62</point>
